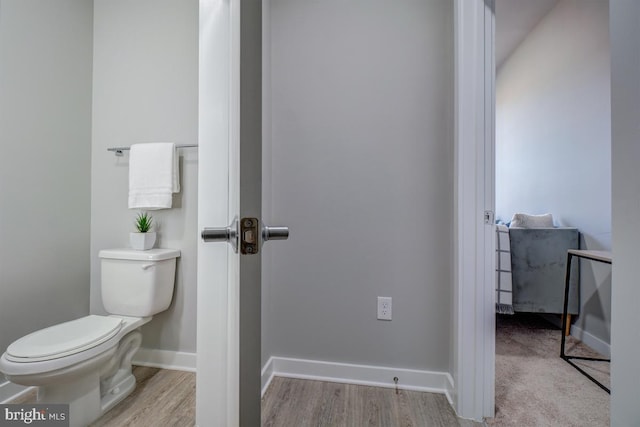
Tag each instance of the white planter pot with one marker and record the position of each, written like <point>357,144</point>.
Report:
<point>142,241</point>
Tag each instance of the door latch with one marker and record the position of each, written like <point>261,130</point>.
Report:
<point>488,217</point>
<point>249,236</point>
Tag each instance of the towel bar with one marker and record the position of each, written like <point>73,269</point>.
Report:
<point>119,150</point>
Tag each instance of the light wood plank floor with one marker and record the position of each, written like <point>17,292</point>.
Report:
<point>161,398</point>
<point>301,403</point>
<point>167,398</point>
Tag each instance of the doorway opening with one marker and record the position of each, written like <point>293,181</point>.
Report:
<point>553,193</point>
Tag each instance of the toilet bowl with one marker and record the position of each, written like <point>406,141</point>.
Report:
<point>87,362</point>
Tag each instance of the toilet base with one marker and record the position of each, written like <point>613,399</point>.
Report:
<point>91,395</point>
<point>117,380</point>
<point>82,395</point>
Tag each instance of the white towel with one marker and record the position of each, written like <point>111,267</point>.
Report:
<point>153,175</point>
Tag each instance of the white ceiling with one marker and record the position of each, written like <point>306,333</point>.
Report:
<point>514,20</point>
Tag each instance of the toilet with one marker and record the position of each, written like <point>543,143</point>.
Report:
<point>87,362</point>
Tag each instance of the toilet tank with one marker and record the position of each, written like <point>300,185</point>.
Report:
<point>137,283</point>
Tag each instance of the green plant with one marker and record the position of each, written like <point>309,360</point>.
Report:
<point>144,222</point>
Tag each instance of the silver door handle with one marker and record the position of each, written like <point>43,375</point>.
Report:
<point>274,233</point>
<point>248,234</point>
<point>222,234</point>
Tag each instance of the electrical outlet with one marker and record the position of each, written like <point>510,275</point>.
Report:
<point>384,308</point>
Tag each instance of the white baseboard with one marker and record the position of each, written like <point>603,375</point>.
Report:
<point>449,390</point>
<point>377,376</point>
<point>176,360</point>
<point>267,375</point>
<point>10,391</point>
<point>592,341</point>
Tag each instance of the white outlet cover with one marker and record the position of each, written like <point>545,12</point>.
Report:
<point>384,308</point>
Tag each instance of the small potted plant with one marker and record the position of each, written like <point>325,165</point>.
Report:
<point>143,239</point>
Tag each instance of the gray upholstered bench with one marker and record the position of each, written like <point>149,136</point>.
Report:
<point>538,265</point>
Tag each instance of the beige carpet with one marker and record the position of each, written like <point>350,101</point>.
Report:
<point>534,387</point>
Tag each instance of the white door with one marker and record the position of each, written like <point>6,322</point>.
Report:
<point>229,214</point>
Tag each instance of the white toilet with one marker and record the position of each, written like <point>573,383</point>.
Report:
<point>87,362</point>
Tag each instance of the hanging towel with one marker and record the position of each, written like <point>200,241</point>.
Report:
<point>153,175</point>
<point>504,291</point>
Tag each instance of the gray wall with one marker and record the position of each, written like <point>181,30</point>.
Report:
<point>553,142</point>
<point>145,88</point>
<point>362,158</point>
<point>45,129</point>
<point>625,106</point>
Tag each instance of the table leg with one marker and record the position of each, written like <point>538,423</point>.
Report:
<point>567,330</point>
<point>566,326</point>
<point>565,312</point>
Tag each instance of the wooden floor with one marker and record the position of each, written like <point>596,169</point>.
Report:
<point>290,402</point>
<point>161,398</point>
<point>167,398</point>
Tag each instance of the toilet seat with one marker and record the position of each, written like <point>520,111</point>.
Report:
<point>31,369</point>
<point>64,339</point>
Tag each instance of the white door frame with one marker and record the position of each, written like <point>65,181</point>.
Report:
<point>474,269</point>
<point>473,350</point>
<point>217,362</point>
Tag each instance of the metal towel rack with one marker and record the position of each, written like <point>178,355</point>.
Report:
<point>119,150</point>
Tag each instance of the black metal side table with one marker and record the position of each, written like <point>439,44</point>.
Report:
<point>600,256</point>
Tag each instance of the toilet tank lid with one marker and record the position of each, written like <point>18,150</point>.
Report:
<point>136,255</point>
